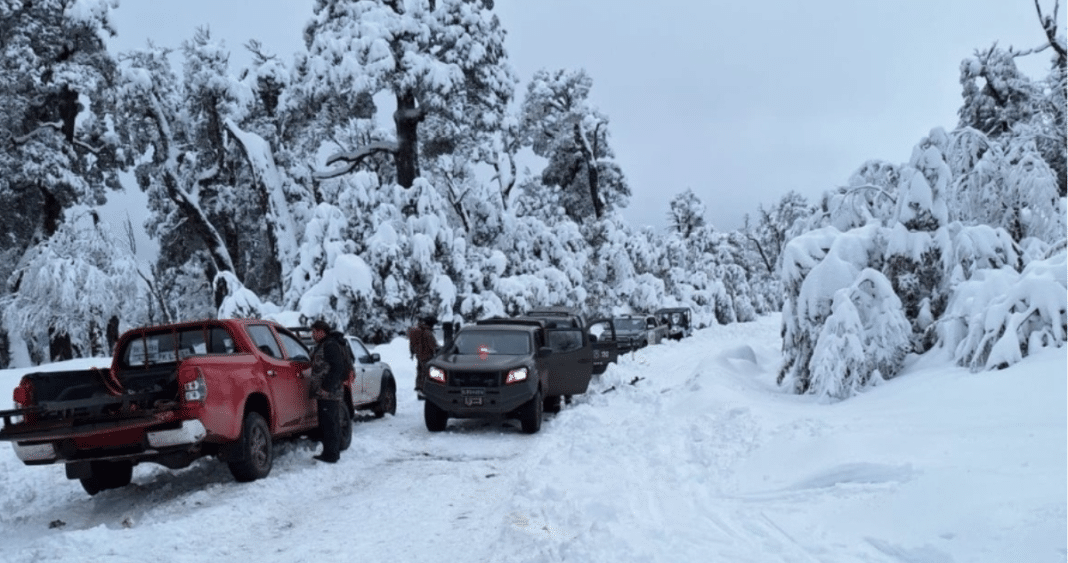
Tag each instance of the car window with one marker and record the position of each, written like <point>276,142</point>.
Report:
<point>220,340</point>
<point>263,338</point>
<point>295,349</point>
<point>191,342</point>
<point>358,349</point>
<point>564,340</point>
<point>150,349</point>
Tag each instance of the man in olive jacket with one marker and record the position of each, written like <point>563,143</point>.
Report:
<point>330,367</point>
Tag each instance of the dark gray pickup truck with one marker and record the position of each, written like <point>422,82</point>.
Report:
<point>515,368</point>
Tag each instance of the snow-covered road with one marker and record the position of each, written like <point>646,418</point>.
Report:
<point>701,459</point>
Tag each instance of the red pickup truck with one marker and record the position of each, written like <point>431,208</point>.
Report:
<point>173,394</point>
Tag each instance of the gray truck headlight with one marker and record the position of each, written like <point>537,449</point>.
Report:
<point>516,375</point>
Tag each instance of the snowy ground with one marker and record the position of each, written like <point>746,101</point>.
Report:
<point>702,459</point>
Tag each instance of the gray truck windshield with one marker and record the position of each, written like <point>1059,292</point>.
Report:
<point>492,343</point>
<point>630,324</point>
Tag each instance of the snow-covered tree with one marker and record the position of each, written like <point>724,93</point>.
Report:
<point>951,230</point>
<point>57,149</point>
<point>815,265</point>
<point>186,155</point>
<point>440,57</point>
<point>218,197</point>
<point>71,287</point>
<point>774,226</point>
<point>1000,315</point>
<point>864,340</point>
<point>561,125</point>
<point>999,100</point>
<point>687,213</point>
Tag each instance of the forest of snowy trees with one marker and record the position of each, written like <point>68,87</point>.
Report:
<point>285,187</point>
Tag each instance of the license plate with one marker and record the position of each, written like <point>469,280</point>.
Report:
<point>472,401</point>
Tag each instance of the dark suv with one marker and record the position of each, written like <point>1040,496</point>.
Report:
<point>515,367</point>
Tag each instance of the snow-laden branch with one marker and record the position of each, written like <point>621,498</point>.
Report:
<point>55,126</point>
<point>353,159</point>
<point>186,203</point>
<point>282,229</point>
<point>1049,25</point>
<point>879,190</point>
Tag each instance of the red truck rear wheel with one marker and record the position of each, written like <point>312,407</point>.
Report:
<point>257,452</point>
<point>107,475</point>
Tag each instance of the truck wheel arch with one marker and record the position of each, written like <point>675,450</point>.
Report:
<point>258,403</point>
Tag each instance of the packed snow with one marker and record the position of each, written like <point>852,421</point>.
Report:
<point>684,451</point>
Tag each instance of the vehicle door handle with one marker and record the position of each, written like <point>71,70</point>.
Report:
<point>271,373</point>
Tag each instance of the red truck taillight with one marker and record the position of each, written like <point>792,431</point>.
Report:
<point>23,394</point>
<point>24,398</point>
<point>195,389</point>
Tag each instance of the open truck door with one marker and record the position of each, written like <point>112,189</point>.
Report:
<point>602,334</point>
<point>571,362</point>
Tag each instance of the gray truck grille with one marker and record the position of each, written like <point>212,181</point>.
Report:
<point>474,379</point>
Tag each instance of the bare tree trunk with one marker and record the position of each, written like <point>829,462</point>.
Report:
<point>112,332</point>
<point>591,171</point>
<point>407,118</point>
<point>59,347</point>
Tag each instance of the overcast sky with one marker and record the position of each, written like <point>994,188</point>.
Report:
<point>739,101</point>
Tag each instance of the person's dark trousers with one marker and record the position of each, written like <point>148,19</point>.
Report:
<point>422,371</point>
<point>328,424</point>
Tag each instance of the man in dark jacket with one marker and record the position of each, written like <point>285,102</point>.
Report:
<point>330,367</point>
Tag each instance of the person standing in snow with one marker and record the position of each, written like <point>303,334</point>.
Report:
<point>422,346</point>
<point>330,366</point>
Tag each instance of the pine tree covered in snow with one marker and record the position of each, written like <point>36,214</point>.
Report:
<point>561,125</point>
<point>58,149</point>
<point>865,336</point>
<point>443,57</point>
<point>687,213</point>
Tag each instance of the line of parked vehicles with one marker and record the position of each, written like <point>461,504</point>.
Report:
<point>230,388</point>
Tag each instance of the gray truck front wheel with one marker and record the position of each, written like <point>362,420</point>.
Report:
<point>435,417</point>
<point>530,414</point>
